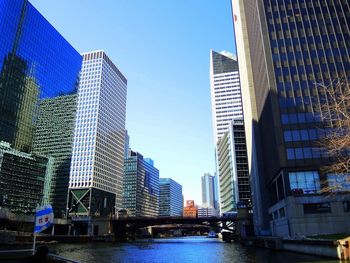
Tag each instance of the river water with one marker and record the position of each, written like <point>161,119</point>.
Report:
<point>185,249</point>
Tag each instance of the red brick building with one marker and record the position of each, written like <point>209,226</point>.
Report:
<point>190,210</point>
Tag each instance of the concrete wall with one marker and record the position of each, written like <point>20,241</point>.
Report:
<point>296,223</point>
<point>312,248</point>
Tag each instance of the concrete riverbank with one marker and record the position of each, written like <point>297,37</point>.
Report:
<point>327,248</point>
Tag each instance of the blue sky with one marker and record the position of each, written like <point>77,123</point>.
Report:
<point>162,47</point>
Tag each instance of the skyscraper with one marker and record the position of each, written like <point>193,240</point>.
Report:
<point>36,62</point>
<point>96,174</point>
<point>208,190</point>
<point>285,49</point>
<point>25,179</point>
<point>54,138</point>
<point>140,186</point>
<point>226,102</point>
<point>227,112</point>
<point>233,168</point>
<point>170,198</point>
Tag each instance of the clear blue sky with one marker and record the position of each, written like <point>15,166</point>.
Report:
<point>162,47</point>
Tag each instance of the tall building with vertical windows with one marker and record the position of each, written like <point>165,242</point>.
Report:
<point>209,198</point>
<point>170,198</point>
<point>226,102</point>
<point>25,179</point>
<point>227,115</point>
<point>285,49</point>
<point>54,138</point>
<point>36,62</point>
<point>233,168</point>
<point>96,173</point>
<point>140,186</point>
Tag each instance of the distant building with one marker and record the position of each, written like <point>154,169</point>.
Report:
<point>170,198</point>
<point>96,173</point>
<point>127,144</point>
<point>233,168</point>
<point>207,212</point>
<point>54,138</point>
<point>226,101</point>
<point>209,198</point>
<point>25,179</point>
<point>190,210</point>
<point>227,112</point>
<point>140,186</point>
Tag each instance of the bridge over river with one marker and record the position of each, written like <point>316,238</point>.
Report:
<point>122,226</point>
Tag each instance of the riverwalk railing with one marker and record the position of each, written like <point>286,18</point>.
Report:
<point>17,252</point>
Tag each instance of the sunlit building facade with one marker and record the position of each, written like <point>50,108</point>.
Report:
<point>286,49</point>
<point>96,173</point>
<point>226,101</point>
<point>210,199</point>
<point>170,197</point>
<point>140,186</point>
<point>233,168</point>
<point>36,62</point>
<point>190,210</point>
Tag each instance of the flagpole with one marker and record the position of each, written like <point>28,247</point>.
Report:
<point>34,241</point>
<point>34,233</point>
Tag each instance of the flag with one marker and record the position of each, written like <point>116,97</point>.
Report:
<point>43,218</point>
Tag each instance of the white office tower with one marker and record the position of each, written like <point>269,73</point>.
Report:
<point>95,183</point>
<point>225,90</point>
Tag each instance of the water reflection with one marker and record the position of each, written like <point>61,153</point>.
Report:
<point>188,249</point>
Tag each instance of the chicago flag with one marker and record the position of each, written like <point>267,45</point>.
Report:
<point>43,218</point>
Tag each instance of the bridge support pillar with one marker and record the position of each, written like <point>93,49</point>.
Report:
<point>150,231</point>
<point>120,231</point>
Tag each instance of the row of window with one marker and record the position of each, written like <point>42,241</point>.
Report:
<point>303,135</point>
<point>305,153</point>
<point>294,118</point>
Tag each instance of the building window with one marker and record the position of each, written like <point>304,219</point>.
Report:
<point>307,182</point>
<point>346,206</point>
<point>282,212</point>
<point>338,182</point>
<point>318,208</point>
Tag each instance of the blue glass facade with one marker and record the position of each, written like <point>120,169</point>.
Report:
<point>140,186</point>
<point>170,198</point>
<point>36,62</point>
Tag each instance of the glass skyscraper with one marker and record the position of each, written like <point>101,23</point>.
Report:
<point>25,179</point>
<point>54,138</point>
<point>286,48</point>
<point>140,186</point>
<point>96,173</point>
<point>170,198</point>
<point>209,198</point>
<point>36,62</point>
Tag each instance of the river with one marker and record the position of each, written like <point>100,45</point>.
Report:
<point>185,249</point>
